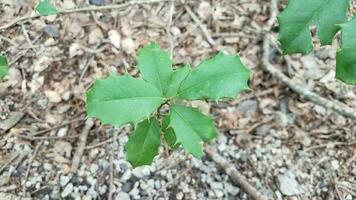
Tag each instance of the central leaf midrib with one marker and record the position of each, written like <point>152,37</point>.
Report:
<point>145,139</point>
<point>130,99</point>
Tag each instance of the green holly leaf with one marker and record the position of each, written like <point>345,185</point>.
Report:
<point>45,8</point>
<point>119,100</point>
<point>346,56</point>
<point>168,133</point>
<point>143,144</point>
<point>176,80</point>
<point>222,76</point>
<point>155,66</point>
<point>191,128</point>
<point>299,15</point>
<point>4,66</point>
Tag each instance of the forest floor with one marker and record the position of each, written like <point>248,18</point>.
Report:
<point>286,146</point>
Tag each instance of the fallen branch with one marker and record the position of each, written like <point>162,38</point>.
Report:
<point>85,9</point>
<point>89,123</point>
<point>336,106</point>
<point>236,177</point>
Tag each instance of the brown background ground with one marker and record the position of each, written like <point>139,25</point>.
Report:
<point>287,147</point>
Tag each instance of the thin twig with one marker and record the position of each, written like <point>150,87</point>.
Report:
<point>111,178</point>
<point>85,9</point>
<point>236,177</point>
<point>201,25</point>
<point>29,167</point>
<point>9,162</point>
<point>82,142</point>
<point>336,106</point>
<point>56,127</point>
<point>46,137</point>
<point>8,40</point>
<point>27,37</point>
<point>92,13</point>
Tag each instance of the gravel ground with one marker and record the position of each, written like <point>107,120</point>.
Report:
<point>287,148</point>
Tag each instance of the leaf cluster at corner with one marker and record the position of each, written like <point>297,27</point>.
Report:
<point>329,16</point>
<point>120,100</point>
<point>45,8</point>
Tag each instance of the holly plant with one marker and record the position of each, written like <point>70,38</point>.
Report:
<point>120,100</point>
<point>329,16</point>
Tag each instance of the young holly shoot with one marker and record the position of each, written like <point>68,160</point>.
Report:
<point>119,100</point>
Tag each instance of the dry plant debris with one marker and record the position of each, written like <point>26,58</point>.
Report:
<point>285,146</point>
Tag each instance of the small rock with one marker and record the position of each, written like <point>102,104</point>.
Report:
<point>281,119</point>
<point>47,166</point>
<point>95,36</point>
<point>288,184</point>
<point>66,95</point>
<point>128,45</point>
<point>67,190</point>
<point>94,168</point>
<point>219,194</point>
<point>63,148</point>
<point>75,49</point>
<point>63,109</point>
<point>115,38</point>
<point>103,189</point>
<point>179,195</point>
<point>231,189</point>
<point>216,185</point>
<point>335,164</point>
<point>205,10</point>
<point>92,193</point>
<point>53,96</point>
<point>263,129</point>
<point>91,180</point>
<point>62,132</point>
<point>127,186</point>
<point>11,120</point>
<point>52,31</point>
<point>86,197</point>
<point>122,196</point>
<point>97,2</point>
<point>247,107</point>
<point>157,184</point>
<point>64,180</point>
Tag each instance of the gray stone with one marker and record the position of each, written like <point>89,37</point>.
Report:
<point>122,196</point>
<point>67,190</point>
<point>288,184</point>
<point>64,180</point>
<point>52,31</point>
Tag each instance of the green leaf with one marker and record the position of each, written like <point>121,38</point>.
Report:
<point>155,66</point>
<point>119,100</point>
<point>143,144</point>
<point>222,76</point>
<point>299,15</point>
<point>46,8</point>
<point>4,66</point>
<point>176,80</point>
<point>168,133</point>
<point>346,56</point>
<point>191,128</point>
